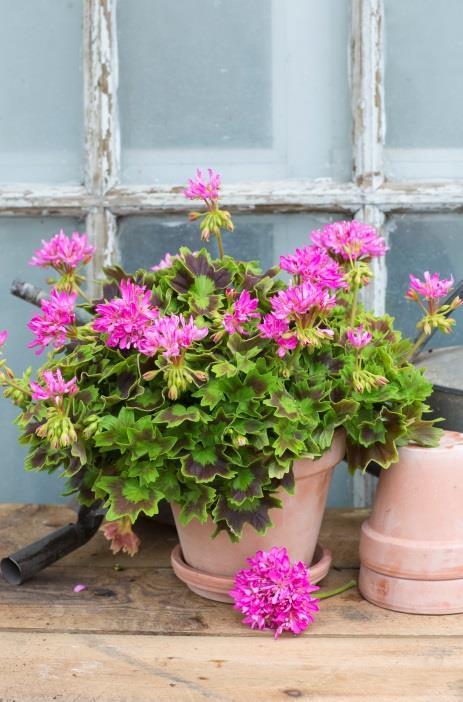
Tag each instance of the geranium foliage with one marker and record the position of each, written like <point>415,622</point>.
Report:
<point>200,381</point>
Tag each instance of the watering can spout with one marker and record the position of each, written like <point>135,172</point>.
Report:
<point>25,563</point>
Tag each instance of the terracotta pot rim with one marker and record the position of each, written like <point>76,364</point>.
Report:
<point>450,439</point>
<point>404,594</point>
<point>222,584</point>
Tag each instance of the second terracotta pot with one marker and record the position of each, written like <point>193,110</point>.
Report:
<point>296,526</point>
<point>411,547</point>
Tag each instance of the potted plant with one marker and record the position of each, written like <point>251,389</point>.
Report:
<point>411,546</point>
<point>219,388</point>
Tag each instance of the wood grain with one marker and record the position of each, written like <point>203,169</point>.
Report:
<point>194,669</point>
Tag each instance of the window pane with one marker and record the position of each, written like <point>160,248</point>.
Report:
<point>417,244</point>
<point>19,237</point>
<point>41,111</point>
<point>257,90</point>
<point>143,241</point>
<point>424,100</point>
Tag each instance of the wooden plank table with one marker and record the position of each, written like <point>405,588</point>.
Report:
<point>137,634</point>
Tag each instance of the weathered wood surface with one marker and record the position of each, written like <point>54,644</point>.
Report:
<point>138,634</point>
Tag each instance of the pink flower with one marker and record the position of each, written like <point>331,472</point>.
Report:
<point>55,387</point>
<point>200,189</point>
<point>171,335</point>
<point>358,338</point>
<point>79,588</point>
<point>242,311</point>
<point>314,265</point>
<point>299,299</point>
<point>52,327</point>
<point>125,319</point>
<point>165,262</point>
<point>121,536</point>
<point>273,594</point>
<point>278,330</point>
<point>351,240</point>
<point>63,253</point>
<point>431,289</point>
<point>3,337</point>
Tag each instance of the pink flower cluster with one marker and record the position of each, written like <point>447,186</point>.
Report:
<point>201,189</point>
<point>52,326</point>
<point>432,288</point>
<point>171,335</point>
<point>63,253</point>
<point>242,311</point>
<point>313,264</point>
<point>300,299</point>
<point>164,263</point>
<point>293,305</point>
<point>358,337</point>
<point>351,240</point>
<point>55,387</point>
<point>273,594</point>
<point>278,330</point>
<point>125,319</point>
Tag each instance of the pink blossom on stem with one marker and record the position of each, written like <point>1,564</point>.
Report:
<point>314,265</point>
<point>275,594</point>
<point>201,189</point>
<point>171,334</point>
<point>278,330</point>
<point>432,288</point>
<point>300,299</point>
<point>351,240</point>
<point>243,309</point>
<point>55,387</point>
<point>63,253</point>
<point>125,319</point>
<point>3,337</point>
<point>52,326</point>
<point>358,337</point>
<point>165,262</point>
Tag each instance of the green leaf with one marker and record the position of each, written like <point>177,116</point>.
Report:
<point>247,484</point>
<point>127,497</point>
<point>289,438</point>
<point>195,503</point>
<point>224,368</point>
<point>204,465</point>
<point>253,512</point>
<point>285,405</point>
<point>211,393</point>
<point>177,414</point>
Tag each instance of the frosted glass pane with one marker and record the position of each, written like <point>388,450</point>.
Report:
<point>420,243</point>
<point>424,99</point>
<point>256,90</point>
<point>18,239</point>
<point>41,103</point>
<point>143,241</point>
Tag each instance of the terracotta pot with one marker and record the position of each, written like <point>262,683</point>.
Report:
<point>411,547</point>
<point>296,526</point>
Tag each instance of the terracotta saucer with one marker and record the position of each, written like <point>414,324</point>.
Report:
<point>217,587</point>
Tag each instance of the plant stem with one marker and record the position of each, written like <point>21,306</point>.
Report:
<point>218,236</point>
<point>353,312</point>
<point>418,343</point>
<point>5,379</point>
<point>330,593</point>
<point>83,294</point>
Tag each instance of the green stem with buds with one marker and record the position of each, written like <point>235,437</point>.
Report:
<point>417,345</point>
<point>353,311</point>
<point>331,593</point>
<point>4,379</point>
<point>218,236</point>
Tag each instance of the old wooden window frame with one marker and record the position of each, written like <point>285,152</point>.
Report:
<point>102,198</point>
